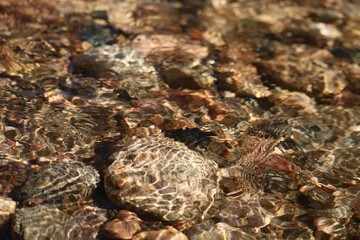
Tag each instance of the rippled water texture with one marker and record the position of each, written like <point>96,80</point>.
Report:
<point>213,119</point>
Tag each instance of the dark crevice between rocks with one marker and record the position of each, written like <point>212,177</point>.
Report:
<point>191,137</point>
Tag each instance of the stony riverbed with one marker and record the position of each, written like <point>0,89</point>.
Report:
<point>179,119</point>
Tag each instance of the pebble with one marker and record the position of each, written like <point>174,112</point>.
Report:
<point>43,222</point>
<point>59,183</point>
<point>7,210</point>
<point>123,226</point>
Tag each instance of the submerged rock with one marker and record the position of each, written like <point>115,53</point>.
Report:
<point>168,233</point>
<point>219,231</point>
<point>164,178</point>
<point>59,183</point>
<point>264,94</point>
<point>7,211</point>
<point>123,226</point>
<point>43,222</point>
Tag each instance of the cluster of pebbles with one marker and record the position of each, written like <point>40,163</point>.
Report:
<point>212,119</point>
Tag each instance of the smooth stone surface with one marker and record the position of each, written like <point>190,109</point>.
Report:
<point>7,210</point>
<point>59,183</point>
<point>43,222</point>
<point>164,178</point>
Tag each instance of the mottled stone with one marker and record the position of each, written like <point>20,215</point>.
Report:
<point>123,226</point>
<point>70,130</point>
<point>7,210</point>
<point>287,230</point>
<point>44,222</point>
<point>320,74</point>
<point>92,218</point>
<point>57,183</point>
<point>269,90</point>
<point>329,228</point>
<point>134,75</point>
<point>13,173</point>
<point>219,231</point>
<point>294,103</point>
<point>243,212</point>
<point>157,44</point>
<point>164,178</point>
<point>318,197</point>
<point>168,233</point>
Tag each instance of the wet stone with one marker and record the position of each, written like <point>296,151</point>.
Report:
<point>277,183</point>
<point>137,76</point>
<point>190,137</point>
<point>116,229</point>
<point>329,228</point>
<point>288,230</point>
<point>279,209</point>
<point>264,94</point>
<point>323,79</point>
<point>91,217</point>
<point>58,183</point>
<point>328,16</point>
<point>319,198</point>
<point>349,54</point>
<point>339,212</point>
<point>340,118</point>
<point>219,231</point>
<point>163,178</point>
<point>97,34</point>
<point>7,211</point>
<point>318,34</point>
<point>13,173</point>
<point>293,103</point>
<point>241,78</point>
<point>123,226</point>
<point>243,212</point>
<point>168,233</point>
<point>69,130</point>
<point>177,45</point>
<point>349,197</point>
<point>192,75</point>
<point>43,222</point>
<point>76,86</point>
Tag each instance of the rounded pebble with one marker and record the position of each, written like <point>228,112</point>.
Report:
<point>169,233</point>
<point>59,183</point>
<point>7,210</point>
<point>124,226</point>
<point>164,178</point>
<point>43,222</point>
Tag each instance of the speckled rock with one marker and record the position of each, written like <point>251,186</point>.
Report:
<point>168,233</point>
<point>329,228</point>
<point>13,173</point>
<point>137,77</point>
<point>164,178</point>
<point>91,217</point>
<point>287,230</point>
<point>243,211</point>
<point>123,226</point>
<point>43,222</point>
<point>7,210</point>
<point>269,90</point>
<point>57,183</point>
<point>219,231</point>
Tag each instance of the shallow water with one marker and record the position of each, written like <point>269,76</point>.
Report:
<point>268,91</point>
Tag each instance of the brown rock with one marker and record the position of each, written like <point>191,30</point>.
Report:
<point>7,210</point>
<point>168,233</point>
<point>305,69</point>
<point>219,231</point>
<point>124,226</point>
<point>158,43</point>
<point>352,73</point>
